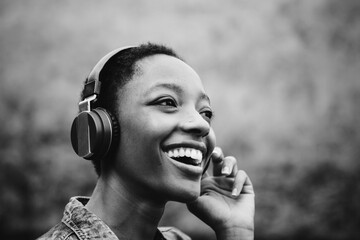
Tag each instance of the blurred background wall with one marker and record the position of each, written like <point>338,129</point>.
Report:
<point>283,76</point>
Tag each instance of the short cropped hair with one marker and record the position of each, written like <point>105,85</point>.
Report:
<point>118,71</point>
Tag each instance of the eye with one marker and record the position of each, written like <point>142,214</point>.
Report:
<point>166,102</point>
<point>208,115</point>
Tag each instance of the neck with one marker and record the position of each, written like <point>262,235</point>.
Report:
<point>128,215</point>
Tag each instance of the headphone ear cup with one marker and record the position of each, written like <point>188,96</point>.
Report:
<point>92,134</point>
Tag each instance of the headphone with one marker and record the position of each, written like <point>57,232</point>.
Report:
<point>94,130</point>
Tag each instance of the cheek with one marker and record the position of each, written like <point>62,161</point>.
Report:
<point>145,130</point>
<point>139,146</point>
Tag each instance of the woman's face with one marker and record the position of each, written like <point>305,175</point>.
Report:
<point>164,117</point>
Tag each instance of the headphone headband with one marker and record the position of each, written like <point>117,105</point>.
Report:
<point>93,84</point>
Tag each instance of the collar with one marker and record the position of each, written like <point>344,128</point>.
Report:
<point>86,225</point>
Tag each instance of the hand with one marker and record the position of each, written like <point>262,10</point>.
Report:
<point>227,200</point>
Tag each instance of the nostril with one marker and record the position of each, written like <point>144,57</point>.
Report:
<point>206,133</point>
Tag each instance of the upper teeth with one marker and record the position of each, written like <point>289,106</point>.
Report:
<point>186,152</point>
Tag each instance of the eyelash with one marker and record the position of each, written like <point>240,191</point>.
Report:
<point>166,102</point>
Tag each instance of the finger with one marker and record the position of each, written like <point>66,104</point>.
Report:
<point>217,155</point>
<point>217,160</point>
<point>248,186</point>
<point>227,167</point>
<point>242,184</point>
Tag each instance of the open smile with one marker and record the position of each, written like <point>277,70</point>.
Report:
<point>186,155</point>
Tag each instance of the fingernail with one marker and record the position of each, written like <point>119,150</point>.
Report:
<point>234,192</point>
<point>225,170</point>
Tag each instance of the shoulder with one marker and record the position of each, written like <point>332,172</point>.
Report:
<point>172,233</point>
<point>59,231</point>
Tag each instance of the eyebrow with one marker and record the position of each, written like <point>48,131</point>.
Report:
<point>176,88</point>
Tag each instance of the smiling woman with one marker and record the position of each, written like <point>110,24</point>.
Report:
<point>145,123</point>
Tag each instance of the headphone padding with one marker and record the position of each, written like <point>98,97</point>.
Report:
<point>115,128</point>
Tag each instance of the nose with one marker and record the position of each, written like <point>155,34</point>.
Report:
<point>195,124</point>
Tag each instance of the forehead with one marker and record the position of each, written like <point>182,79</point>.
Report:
<point>161,70</point>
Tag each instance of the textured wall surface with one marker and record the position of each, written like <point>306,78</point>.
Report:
<point>284,81</point>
